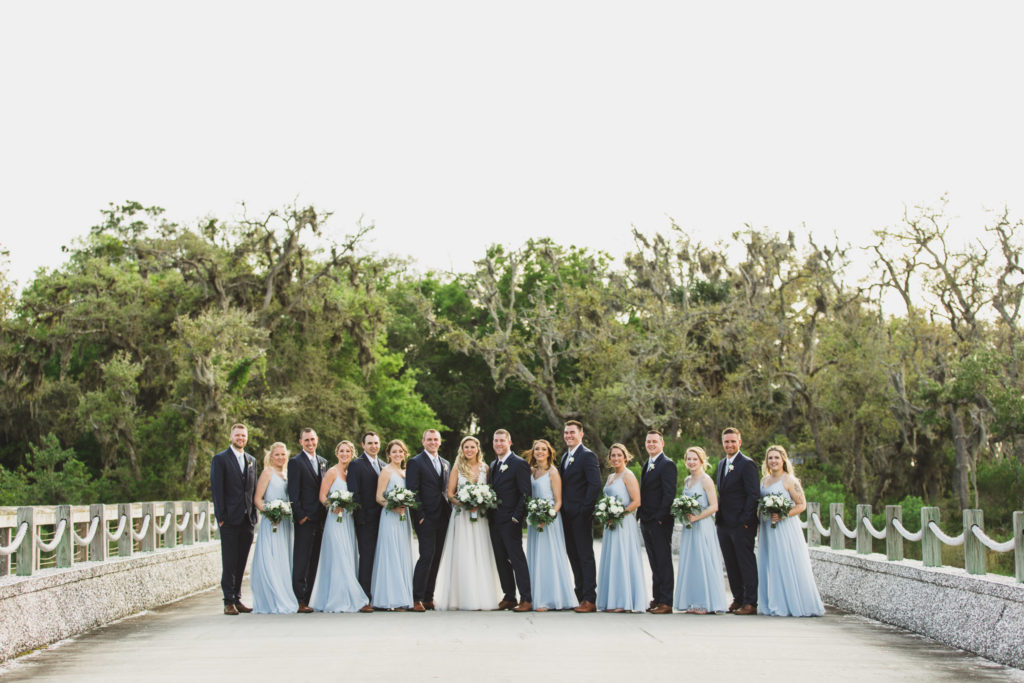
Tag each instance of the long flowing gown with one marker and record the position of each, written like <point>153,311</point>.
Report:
<point>700,584</point>
<point>620,578</point>
<point>336,588</point>
<point>467,576</point>
<point>785,582</point>
<point>550,576</point>
<point>391,586</point>
<point>271,576</point>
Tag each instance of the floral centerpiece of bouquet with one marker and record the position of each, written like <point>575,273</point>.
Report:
<point>775,503</point>
<point>341,500</point>
<point>609,510</point>
<point>684,506</point>
<point>400,497</point>
<point>476,497</point>
<point>540,512</point>
<point>276,510</point>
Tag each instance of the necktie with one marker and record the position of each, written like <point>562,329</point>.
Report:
<point>376,465</point>
<point>241,463</point>
<point>437,465</point>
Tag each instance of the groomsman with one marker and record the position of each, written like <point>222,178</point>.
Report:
<point>581,486</point>
<point>233,486</point>
<point>657,490</point>
<point>736,521</point>
<point>427,475</point>
<point>510,478</point>
<point>362,482</point>
<point>305,472</point>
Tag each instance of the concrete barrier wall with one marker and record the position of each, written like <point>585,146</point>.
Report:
<point>983,614</point>
<point>58,603</point>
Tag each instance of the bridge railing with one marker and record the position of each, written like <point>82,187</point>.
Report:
<point>66,534</point>
<point>931,536</point>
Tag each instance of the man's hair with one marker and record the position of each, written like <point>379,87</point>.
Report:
<point>655,431</point>
<point>574,423</point>
<point>305,431</point>
<point>238,425</point>
<point>428,431</point>
<point>366,434</point>
<point>731,430</point>
<point>503,432</point>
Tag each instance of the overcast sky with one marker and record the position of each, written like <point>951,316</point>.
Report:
<point>452,126</point>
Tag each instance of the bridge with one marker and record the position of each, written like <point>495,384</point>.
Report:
<point>189,637</point>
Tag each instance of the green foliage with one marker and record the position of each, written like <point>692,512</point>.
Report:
<point>51,474</point>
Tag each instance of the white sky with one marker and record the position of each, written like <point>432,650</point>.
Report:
<point>455,125</point>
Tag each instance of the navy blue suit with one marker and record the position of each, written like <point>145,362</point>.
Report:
<point>430,520</point>
<point>513,488</point>
<point>736,521</point>
<point>233,491</point>
<point>362,482</point>
<point>581,487</point>
<point>657,490</point>
<point>304,494</point>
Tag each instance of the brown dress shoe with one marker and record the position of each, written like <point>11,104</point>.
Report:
<point>507,604</point>
<point>305,609</point>
<point>418,607</point>
<point>586,606</point>
<point>429,605</point>
<point>734,605</point>
<point>523,607</point>
<point>242,608</point>
<point>661,609</point>
<point>366,609</point>
<point>746,609</point>
<point>230,609</point>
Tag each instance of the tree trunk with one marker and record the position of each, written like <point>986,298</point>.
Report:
<point>962,468</point>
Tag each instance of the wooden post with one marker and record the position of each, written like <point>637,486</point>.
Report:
<point>893,540</point>
<point>98,547</point>
<point>813,537</point>
<point>188,536</point>
<point>124,544</point>
<point>931,547</point>
<point>1018,544</point>
<point>148,542</point>
<point>864,537</point>
<point>25,557</point>
<point>171,537</point>
<point>65,551</point>
<point>974,549</point>
<point>203,532</point>
<point>5,560</point>
<point>837,540</point>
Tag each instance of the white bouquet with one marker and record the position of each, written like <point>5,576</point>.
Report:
<point>341,501</point>
<point>276,510</point>
<point>400,497</point>
<point>609,510</point>
<point>684,506</point>
<point>476,497</point>
<point>540,511</point>
<point>775,503</point>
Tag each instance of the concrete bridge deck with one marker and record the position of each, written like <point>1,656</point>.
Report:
<point>192,640</point>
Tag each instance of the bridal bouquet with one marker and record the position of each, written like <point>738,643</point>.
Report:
<point>775,502</point>
<point>540,511</point>
<point>341,500</point>
<point>276,510</point>
<point>609,511</point>
<point>686,505</point>
<point>400,497</point>
<point>475,497</point>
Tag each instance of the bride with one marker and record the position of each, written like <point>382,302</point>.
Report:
<point>467,578</point>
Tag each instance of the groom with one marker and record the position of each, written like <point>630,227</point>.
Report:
<point>510,477</point>
<point>427,475</point>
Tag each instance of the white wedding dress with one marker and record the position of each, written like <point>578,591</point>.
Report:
<point>467,578</point>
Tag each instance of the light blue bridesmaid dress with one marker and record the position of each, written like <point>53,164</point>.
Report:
<point>785,582</point>
<point>550,576</point>
<point>271,576</point>
<point>621,583</point>
<point>391,586</point>
<point>336,588</point>
<point>700,583</point>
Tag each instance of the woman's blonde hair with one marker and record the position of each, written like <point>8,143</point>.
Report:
<point>351,446</point>
<point>625,452</point>
<point>787,466</point>
<point>273,447</point>
<point>463,467</point>
<point>700,454</point>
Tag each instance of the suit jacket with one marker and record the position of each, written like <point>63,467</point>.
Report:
<point>738,492</point>
<point>657,490</point>
<point>431,489</point>
<point>233,490</point>
<point>304,488</point>
<point>362,482</point>
<point>513,488</point>
<point>581,482</point>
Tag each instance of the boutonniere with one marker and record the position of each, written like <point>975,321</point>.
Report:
<point>571,458</point>
<point>731,468</point>
<point>650,467</point>
<point>503,468</point>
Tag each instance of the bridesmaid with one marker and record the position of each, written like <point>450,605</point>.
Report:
<point>700,587</point>
<point>621,583</point>
<point>391,586</point>
<point>336,588</point>
<point>271,578</point>
<point>551,580</point>
<point>785,582</point>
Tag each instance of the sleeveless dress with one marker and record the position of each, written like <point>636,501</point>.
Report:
<point>391,585</point>
<point>467,576</point>
<point>336,588</point>
<point>271,577</point>
<point>550,577</point>
<point>700,583</point>
<point>785,582</point>
<point>621,583</point>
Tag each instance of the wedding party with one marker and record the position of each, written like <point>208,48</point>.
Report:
<point>339,537</point>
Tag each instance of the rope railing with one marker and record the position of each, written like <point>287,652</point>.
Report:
<point>914,536</point>
<point>58,536</point>
<point>116,536</point>
<point>838,521</point>
<point>163,526</point>
<point>184,522</point>
<point>990,543</point>
<point>93,525</point>
<point>948,540</point>
<point>143,528</point>
<point>880,535</point>
<point>14,545</point>
<point>817,524</point>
